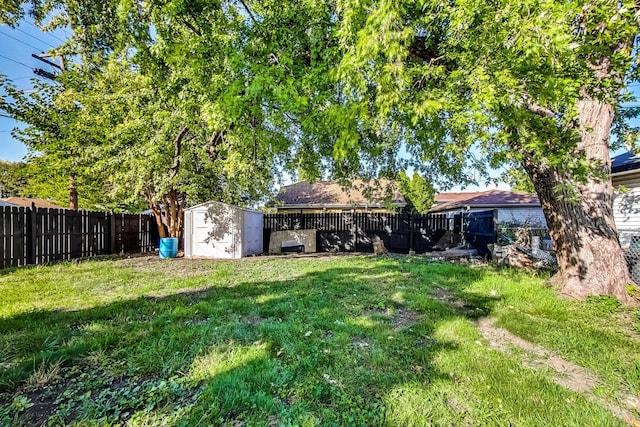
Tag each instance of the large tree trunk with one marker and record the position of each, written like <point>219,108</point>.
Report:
<point>174,205</point>
<point>157,213</point>
<point>585,238</point>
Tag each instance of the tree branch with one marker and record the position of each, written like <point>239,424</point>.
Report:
<point>216,139</point>
<point>191,27</point>
<point>177,143</point>
<point>248,11</point>
<point>537,109</point>
<point>181,207</point>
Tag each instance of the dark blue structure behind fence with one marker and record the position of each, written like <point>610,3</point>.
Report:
<point>480,230</point>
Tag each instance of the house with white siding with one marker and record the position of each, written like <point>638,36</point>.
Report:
<point>514,208</point>
<point>625,177</point>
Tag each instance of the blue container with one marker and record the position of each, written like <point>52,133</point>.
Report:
<point>168,247</point>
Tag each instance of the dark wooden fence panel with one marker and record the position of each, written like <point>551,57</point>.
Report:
<point>36,236</point>
<point>13,232</point>
<point>347,232</point>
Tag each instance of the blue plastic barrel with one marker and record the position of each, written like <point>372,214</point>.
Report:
<point>168,247</point>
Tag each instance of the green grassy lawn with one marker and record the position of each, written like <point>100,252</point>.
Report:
<point>301,341</point>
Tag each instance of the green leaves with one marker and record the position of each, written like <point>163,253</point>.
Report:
<point>342,85</point>
<point>417,191</point>
<point>453,74</point>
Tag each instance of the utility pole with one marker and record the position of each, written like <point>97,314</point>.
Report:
<point>73,191</point>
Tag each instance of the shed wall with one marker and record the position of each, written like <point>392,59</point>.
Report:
<point>626,207</point>
<point>218,230</point>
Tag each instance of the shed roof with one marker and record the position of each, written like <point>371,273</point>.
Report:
<point>332,193</point>
<point>484,199</point>
<point>211,202</point>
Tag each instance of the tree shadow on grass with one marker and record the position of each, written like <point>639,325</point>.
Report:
<point>321,346</point>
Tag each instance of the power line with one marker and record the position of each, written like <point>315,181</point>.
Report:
<point>21,41</point>
<point>49,33</point>
<point>17,62</point>
<point>35,38</point>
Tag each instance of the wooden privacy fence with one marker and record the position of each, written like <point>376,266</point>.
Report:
<point>354,232</point>
<point>36,236</point>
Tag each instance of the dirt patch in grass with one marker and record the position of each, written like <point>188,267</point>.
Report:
<point>386,313</point>
<point>178,267</point>
<point>361,343</point>
<point>404,318</point>
<point>400,318</point>
<point>255,320</point>
<point>567,374</point>
<point>450,298</point>
<point>424,342</point>
<point>629,324</point>
<point>43,408</point>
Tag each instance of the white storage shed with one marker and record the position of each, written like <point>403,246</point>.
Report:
<point>219,230</point>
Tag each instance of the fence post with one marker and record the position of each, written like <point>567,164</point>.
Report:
<point>355,231</point>
<point>31,234</point>
<point>411,232</point>
<point>112,231</point>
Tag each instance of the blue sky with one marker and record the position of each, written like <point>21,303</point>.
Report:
<point>16,62</point>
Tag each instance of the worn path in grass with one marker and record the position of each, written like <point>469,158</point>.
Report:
<point>565,373</point>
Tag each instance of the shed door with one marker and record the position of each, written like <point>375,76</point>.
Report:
<point>213,237</point>
<point>252,235</point>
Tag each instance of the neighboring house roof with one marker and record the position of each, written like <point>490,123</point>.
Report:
<point>451,197</point>
<point>3,203</point>
<point>625,162</point>
<point>484,199</point>
<point>28,202</point>
<point>331,194</point>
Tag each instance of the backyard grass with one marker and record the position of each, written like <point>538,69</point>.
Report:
<point>339,340</point>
